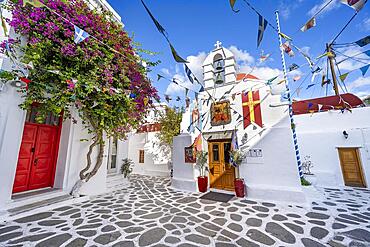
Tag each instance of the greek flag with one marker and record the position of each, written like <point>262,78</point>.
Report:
<point>80,35</point>
<point>261,29</point>
<point>189,73</point>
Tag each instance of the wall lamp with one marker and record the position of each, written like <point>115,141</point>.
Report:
<point>345,134</point>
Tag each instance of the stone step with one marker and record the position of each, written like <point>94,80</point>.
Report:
<point>38,204</point>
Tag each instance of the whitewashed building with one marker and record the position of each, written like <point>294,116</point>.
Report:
<point>335,142</point>
<point>144,149</point>
<point>42,161</point>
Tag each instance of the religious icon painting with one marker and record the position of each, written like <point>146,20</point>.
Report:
<point>252,108</point>
<point>190,155</point>
<point>220,113</point>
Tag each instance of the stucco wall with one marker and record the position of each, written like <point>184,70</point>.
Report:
<point>320,134</point>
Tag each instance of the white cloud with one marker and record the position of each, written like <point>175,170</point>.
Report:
<point>287,7</point>
<point>242,57</point>
<point>349,64</point>
<point>181,79</point>
<point>360,83</point>
<point>195,64</point>
<point>333,5</point>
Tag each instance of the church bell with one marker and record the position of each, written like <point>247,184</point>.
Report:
<point>219,79</point>
<point>219,65</point>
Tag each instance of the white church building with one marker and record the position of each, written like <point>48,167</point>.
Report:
<point>334,142</point>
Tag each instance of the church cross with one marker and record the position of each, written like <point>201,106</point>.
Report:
<point>218,44</point>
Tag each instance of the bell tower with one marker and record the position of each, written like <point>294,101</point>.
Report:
<point>219,68</point>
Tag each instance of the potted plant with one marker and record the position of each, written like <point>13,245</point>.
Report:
<point>236,159</point>
<point>201,164</point>
<point>126,167</point>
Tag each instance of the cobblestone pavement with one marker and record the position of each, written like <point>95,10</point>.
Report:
<point>150,213</point>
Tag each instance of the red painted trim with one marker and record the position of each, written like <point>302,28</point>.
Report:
<point>56,153</point>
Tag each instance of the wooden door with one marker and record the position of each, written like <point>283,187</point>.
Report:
<point>216,166</point>
<point>38,153</point>
<point>221,174</point>
<point>351,167</point>
<point>43,161</point>
<point>25,159</point>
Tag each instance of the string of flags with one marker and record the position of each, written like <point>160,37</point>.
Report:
<point>355,4</point>
<point>262,24</point>
<point>161,29</point>
<point>363,70</point>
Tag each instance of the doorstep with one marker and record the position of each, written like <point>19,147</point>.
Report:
<point>31,202</point>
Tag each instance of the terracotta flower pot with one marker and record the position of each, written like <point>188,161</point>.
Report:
<point>202,184</point>
<point>239,187</point>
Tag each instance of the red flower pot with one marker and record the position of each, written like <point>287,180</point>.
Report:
<point>239,187</point>
<point>202,184</point>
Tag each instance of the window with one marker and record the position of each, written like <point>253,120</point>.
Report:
<point>215,149</point>
<point>50,119</point>
<point>141,156</point>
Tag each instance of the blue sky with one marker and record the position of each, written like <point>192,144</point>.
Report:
<point>194,26</point>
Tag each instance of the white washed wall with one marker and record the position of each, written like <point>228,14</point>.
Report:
<point>320,134</point>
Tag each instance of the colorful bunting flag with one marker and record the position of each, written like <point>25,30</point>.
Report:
<point>269,82</point>
<point>310,104</point>
<point>159,77</point>
<point>176,56</point>
<point>287,49</point>
<point>364,69</point>
<point>293,67</point>
<point>187,102</point>
<point>157,24</point>
<point>80,35</point>
<point>296,78</point>
<point>310,24</point>
<point>343,76</point>
<point>34,3</point>
<point>168,98</point>
<point>234,141</point>
<point>284,36</point>
<point>367,52</point>
<point>196,96</point>
<point>189,73</point>
<point>319,106</point>
<point>264,57</point>
<point>364,41</point>
<point>262,24</point>
<point>232,3</point>
<point>355,4</point>
<point>178,98</point>
<point>309,86</point>
<point>186,92</point>
<point>281,81</point>
<point>325,54</point>
<point>328,81</point>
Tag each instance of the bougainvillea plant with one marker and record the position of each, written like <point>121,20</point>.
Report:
<point>105,83</point>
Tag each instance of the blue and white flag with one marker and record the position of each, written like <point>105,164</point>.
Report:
<point>234,141</point>
<point>261,29</point>
<point>80,35</point>
<point>189,73</point>
<point>364,69</point>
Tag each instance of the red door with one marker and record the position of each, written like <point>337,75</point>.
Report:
<point>37,155</point>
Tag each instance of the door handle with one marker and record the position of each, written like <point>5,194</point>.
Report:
<point>35,161</point>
